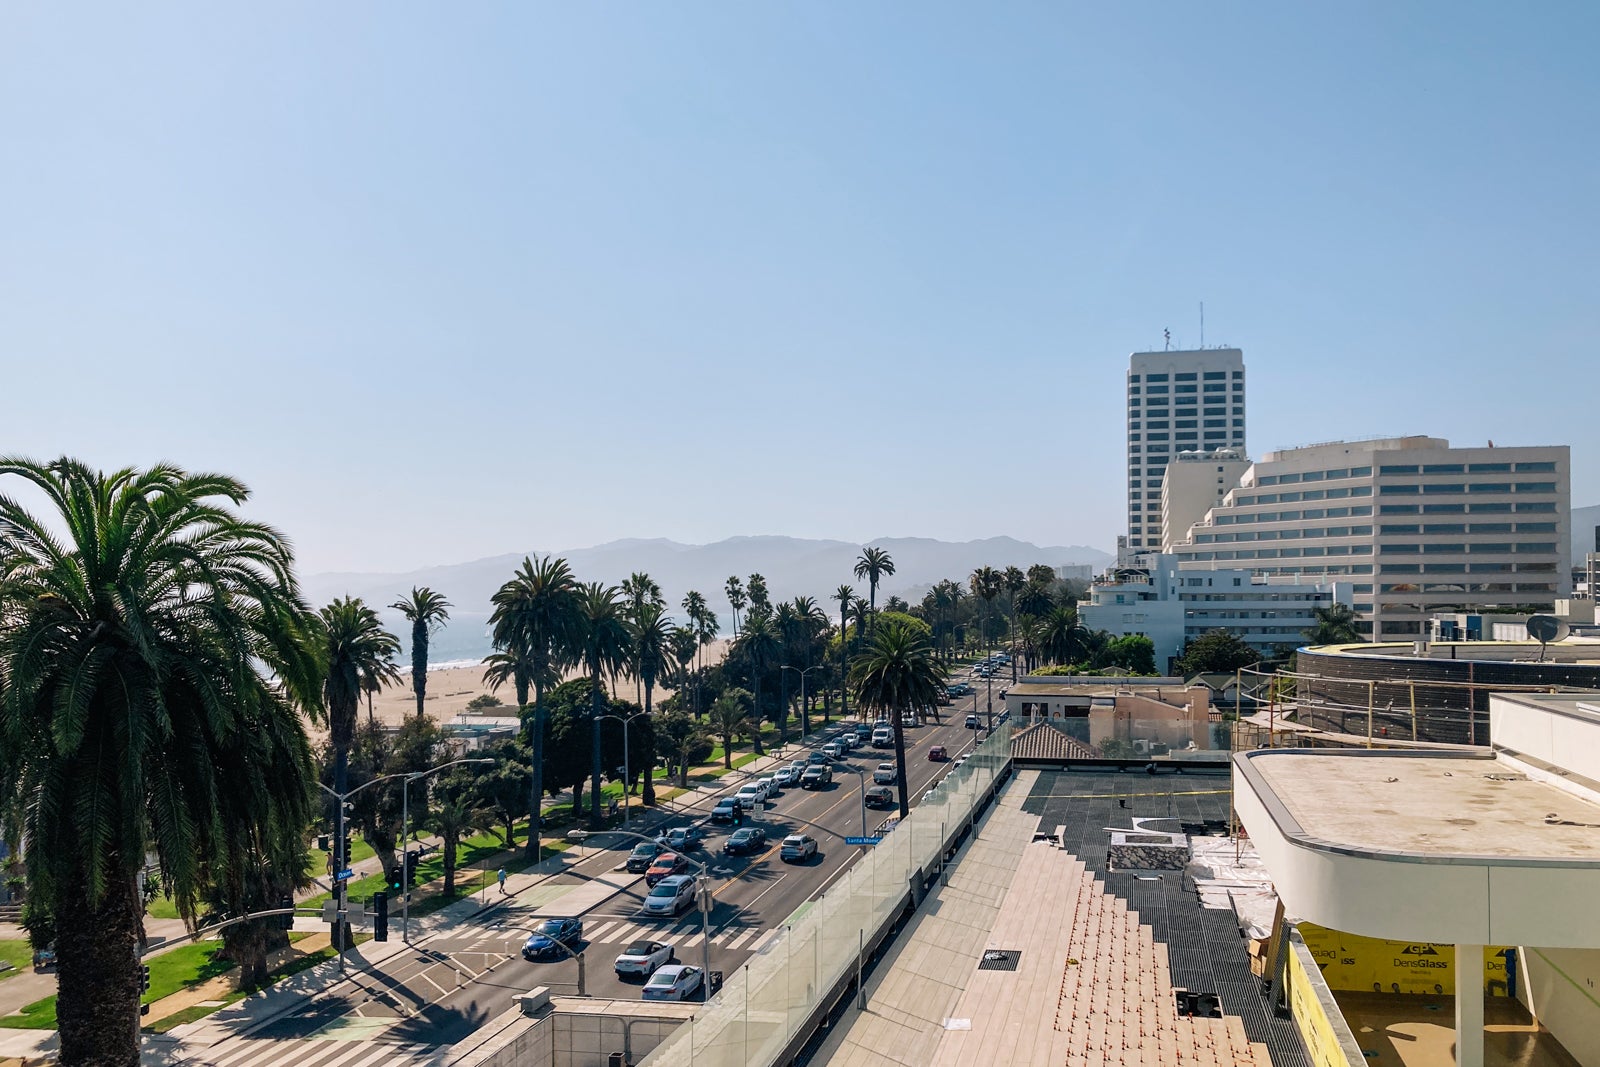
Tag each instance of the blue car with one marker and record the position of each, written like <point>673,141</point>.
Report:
<point>556,937</point>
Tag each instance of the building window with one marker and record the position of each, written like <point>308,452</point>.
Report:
<point>1536,468</point>
<point>1155,377</point>
<point>1188,377</point>
<point>1536,487</point>
<point>1442,468</point>
<point>1397,490</point>
<point>1398,469</point>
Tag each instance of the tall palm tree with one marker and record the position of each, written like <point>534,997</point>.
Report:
<point>453,815</point>
<point>694,607</point>
<point>955,594</point>
<point>603,650</point>
<point>1333,625</point>
<point>756,587</point>
<point>809,623</point>
<point>705,631</point>
<point>736,599</point>
<point>872,566</point>
<point>761,645</point>
<point>895,674</point>
<point>641,591</point>
<point>535,625</point>
<point>844,595</point>
<point>785,624</point>
<point>985,583</point>
<point>155,654</point>
<point>1013,580</point>
<point>729,719</point>
<point>651,631</point>
<point>426,611</point>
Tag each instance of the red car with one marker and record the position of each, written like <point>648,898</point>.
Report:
<point>937,754</point>
<point>666,865</point>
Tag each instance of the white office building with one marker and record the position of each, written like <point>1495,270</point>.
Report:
<point>1195,483</point>
<point>1415,526</point>
<point>1172,606</point>
<point>1180,401</point>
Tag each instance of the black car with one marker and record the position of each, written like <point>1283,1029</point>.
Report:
<point>742,842</point>
<point>642,856</point>
<point>554,938</point>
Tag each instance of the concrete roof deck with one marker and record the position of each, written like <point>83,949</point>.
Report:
<point>1428,806</point>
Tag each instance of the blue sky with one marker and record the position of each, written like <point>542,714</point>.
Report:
<point>441,283</point>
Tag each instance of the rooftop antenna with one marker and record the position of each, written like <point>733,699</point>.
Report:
<point>1167,338</point>
<point>1202,324</point>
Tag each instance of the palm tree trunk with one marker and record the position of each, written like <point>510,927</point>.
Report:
<point>650,754</point>
<point>727,751</point>
<point>755,678</point>
<point>97,983</point>
<point>783,709</point>
<point>419,671</point>
<point>450,842</point>
<point>844,665</point>
<point>900,762</point>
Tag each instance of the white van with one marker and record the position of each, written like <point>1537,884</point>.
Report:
<point>883,737</point>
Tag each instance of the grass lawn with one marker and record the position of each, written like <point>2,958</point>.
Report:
<point>169,972</point>
<point>477,855</point>
<point>200,1011</point>
<point>16,953</point>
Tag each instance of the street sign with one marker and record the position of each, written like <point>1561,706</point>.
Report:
<point>344,874</point>
<point>862,840</point>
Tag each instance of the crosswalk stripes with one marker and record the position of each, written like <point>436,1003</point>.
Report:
<point>310,1052</point>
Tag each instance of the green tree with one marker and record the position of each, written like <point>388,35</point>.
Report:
<point>760,645</point>
<point>684,742</point>
<point>1042,574</point>
<point>684,647</point>
<point>729,719</point>
<point>985,583</point>
<point>640,591</point>
<point>502,789</point>
<point>897,673</point>
<point>1215,651</point>
<point>756,587</point>
<point>651,633</point>
<point>535,625</point>
<point>603,650</point>
<point>1134,653</point>
<point>155,656</point>
<point>1333,625</point>
<point>455,814</point>
<point>872,566</point>
<point>1014,582</point>
<point>1061,637</point>
<point>426,611</point>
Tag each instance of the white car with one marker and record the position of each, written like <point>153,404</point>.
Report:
<point>833,750</point>
<point>641,959</point>
<point>674,982</point>
<point>885,774</point>
<point>771,784</point>
<point>752,796</point>
<point>671,896</point>
<point>790,775</point>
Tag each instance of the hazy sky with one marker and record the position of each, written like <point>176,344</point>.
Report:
<point>442,281</point>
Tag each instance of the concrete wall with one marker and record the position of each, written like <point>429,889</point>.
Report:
<point>1560,987</point>
<point>1556,730</point>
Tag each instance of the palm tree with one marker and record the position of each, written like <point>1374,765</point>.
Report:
<point>985,583</point>
<point>1013,580</point>
<point>651,631</point>
<point>155,656</point>
<point>736,600</point>
<point>762,647</point>
<point>895,675</point>
<point>535,625</point>
<point>705,631</point>
<point>756,587</point>
<point>872,566</point>
<point>1061,636</point>
<point>809,622</point>
<point>956,594</point>
<point>453,816</point>
<point>694,606</point>
<point>603,650</point>
<point>641,591</point>
<point>786,624</point>
<point>729,718</point>
<point>1333,625</point>
<point>426,611</point>
<point>844,595</point>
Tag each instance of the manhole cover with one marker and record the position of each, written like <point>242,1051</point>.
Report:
<point>999,959</point>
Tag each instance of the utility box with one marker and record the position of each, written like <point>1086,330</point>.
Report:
<point>534,1001</point>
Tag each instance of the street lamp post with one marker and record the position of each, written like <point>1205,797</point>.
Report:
<point>627,770</point>
<point>702,898</point>
<point>804,718</point>
<point>862,774</point>
<point>405,839</point>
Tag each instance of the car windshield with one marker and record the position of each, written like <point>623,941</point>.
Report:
<point>552,926</point>
<point>640,948</point>
<point>663,977</point>
<point>644,850</point>
<point>665,889</point>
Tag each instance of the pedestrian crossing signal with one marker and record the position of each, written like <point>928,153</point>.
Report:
<point>380,916</point>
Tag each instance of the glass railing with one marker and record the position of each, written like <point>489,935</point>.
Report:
<point>764,1004</point>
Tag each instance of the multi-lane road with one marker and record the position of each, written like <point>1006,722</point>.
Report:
<point>448,985</point>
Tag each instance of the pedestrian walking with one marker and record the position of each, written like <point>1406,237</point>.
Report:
<point>502,877</point>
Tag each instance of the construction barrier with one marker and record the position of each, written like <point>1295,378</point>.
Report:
<point>1327,1036</point>
<point>1372,965</point>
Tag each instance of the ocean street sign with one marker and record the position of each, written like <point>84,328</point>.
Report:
<point>862,840</point>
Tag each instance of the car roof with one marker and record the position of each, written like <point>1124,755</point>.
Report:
<point>795,838</point>
<point>643,948</point>
<point>674,881</point>
<point>669,972</point>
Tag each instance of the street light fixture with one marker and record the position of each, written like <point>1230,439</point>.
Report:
<point>861,773</point>
<point>405,838</point>
<point>702,898</point>
<point>804,718</point>
<point>627,771</point>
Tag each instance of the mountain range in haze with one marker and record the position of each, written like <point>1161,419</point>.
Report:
<point>792,567</point>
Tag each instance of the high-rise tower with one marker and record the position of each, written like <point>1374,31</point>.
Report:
<point>1182,401</point>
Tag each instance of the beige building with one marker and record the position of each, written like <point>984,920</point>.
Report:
<point>1195,483</point>
<point>1417,526</point>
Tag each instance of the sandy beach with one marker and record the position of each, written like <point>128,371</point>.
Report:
<point>451,688</point>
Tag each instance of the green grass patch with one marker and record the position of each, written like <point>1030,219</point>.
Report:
<point>17,953</point>
<point>40,1015</point>
<point>199,1011</point>
<point>169,972</point>
<point>162,907</point>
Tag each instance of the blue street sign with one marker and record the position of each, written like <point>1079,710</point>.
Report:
<point>342,875</point>
<point>862,840</point>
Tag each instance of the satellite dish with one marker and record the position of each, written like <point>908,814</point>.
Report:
<point>1546,628</point>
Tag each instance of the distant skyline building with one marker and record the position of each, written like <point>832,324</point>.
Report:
<point>1189,400</point>
<point>1417,527</point>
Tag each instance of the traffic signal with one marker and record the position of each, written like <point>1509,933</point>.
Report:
<point>286,921</point>
<point>397,878</point>
<point>411,868</point>
<point>380,916</point>
<point>144,978</point>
